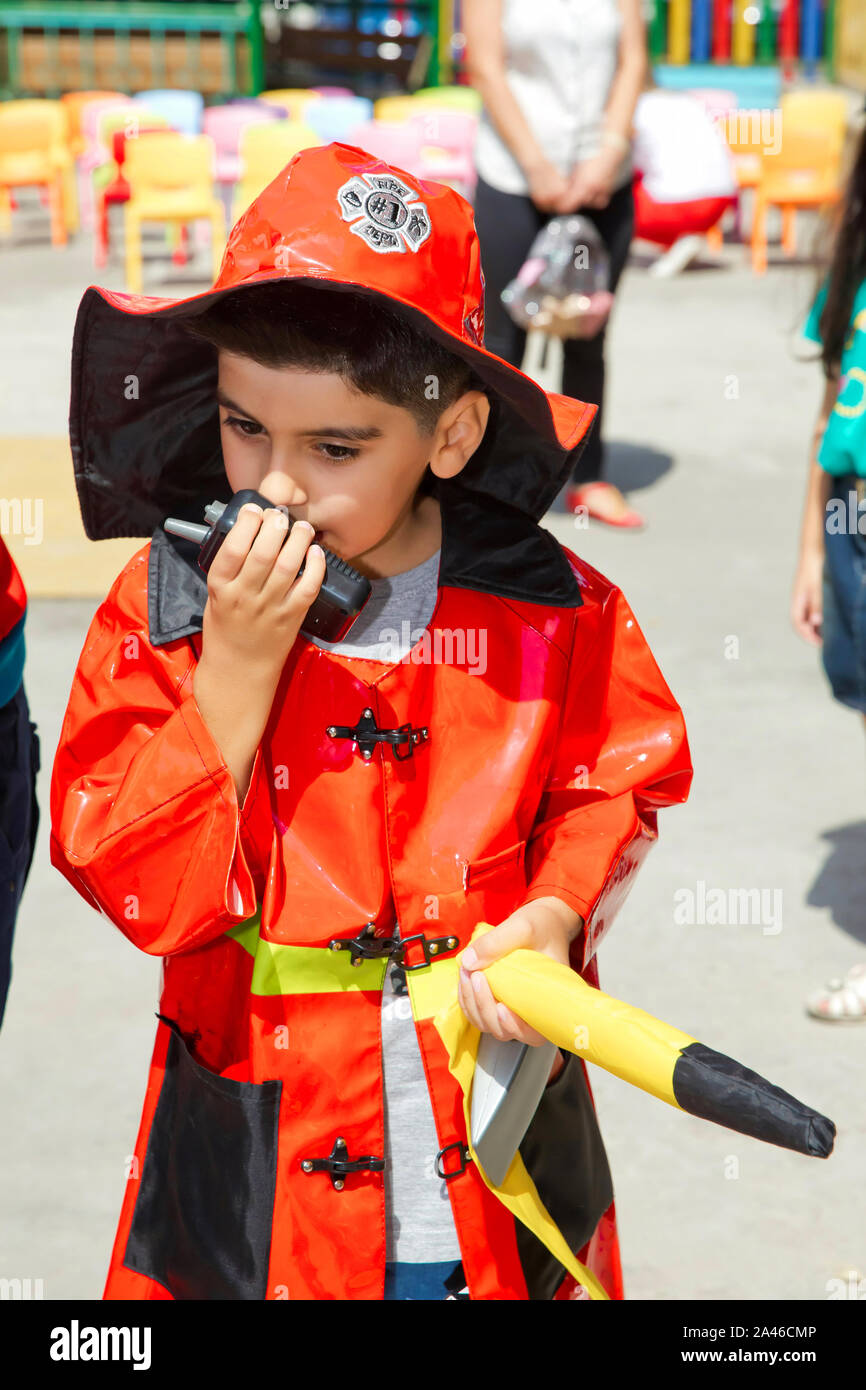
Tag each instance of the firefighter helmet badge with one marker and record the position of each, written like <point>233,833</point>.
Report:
<point>385,212</point>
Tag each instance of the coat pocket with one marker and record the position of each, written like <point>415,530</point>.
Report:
<point>507,863</point>
<point>565,1157</point>
<point>204,1211</point>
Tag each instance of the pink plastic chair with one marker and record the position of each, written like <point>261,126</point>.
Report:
<point>446,140</point>
<point>224,125</point>
<point>396,144</point>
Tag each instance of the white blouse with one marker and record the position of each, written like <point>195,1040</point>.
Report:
<point>561,57</point>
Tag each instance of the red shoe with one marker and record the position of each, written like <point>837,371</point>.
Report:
<point>579,498</point>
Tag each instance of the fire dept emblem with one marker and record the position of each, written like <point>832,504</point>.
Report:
<point>385,212</point>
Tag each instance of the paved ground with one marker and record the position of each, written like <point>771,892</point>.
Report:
<point>709,418</point>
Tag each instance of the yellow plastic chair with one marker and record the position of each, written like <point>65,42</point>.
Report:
<point>34,153</point>
<point>747,140</point>
<point>397,108</point>
<point>824,110</point>
<point>171,179</point>
<point>456,98</point>
<point>264,151</point>
<point>805,173</point>
<point>294,99</point>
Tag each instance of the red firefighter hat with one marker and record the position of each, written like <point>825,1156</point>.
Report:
<point>144,425</point>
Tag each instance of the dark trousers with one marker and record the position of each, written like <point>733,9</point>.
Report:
<point>19,819</point>
<point>507,224</point>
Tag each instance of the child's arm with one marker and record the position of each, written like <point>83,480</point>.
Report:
<point>621,754</point>
<point>806,599</point>
<point>146,815</point>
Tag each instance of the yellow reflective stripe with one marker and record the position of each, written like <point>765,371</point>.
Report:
<point>280,969</point>
<point>246,933</point>
<point>311,970</point>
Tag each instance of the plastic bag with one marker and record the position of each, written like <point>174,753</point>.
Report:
<point>562,286</point>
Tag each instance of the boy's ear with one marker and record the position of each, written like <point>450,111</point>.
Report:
<point>458,434</point>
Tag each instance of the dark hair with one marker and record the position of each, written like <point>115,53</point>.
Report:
<point>370,345</point>
<point>847,263</point>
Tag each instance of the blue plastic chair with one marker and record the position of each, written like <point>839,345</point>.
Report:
<point>332,118</point>
<point>182,109</point>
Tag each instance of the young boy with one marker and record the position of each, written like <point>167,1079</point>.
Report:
<point>301,830</point>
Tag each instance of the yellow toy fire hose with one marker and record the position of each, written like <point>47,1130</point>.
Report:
<point>631,1044</point>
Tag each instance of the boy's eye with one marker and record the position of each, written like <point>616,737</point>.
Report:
<point>342,453</point>
<point>247,427</point>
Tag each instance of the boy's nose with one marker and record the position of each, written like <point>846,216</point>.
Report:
<point>283,490</point>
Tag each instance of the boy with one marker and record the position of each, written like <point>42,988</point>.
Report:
<point>301,831</point>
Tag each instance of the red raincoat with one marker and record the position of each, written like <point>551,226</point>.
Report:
<point>540,775</point>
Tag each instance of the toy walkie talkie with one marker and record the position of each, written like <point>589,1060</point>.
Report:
<point>340,599</point>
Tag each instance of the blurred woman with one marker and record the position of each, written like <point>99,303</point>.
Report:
<point>559,80</point>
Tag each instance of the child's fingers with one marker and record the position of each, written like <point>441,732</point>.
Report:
<point>466,1000</point>
<point>488,1016</point>
<point>229,559</point>
<point>481,1012</point>
<point>511,935</point>
<point>516,1028</point>
<point>486,1006</point>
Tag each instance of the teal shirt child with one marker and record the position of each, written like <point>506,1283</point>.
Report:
<point>843,447</point>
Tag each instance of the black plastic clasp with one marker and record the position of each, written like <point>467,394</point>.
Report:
<point>368,946</point>
<point>338,1164</point>
<point>465,1158</point>
<point>367,734</point>
<point>365,946</point>
<point>429,950</point>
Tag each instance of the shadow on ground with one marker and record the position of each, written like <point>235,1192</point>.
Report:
<point>629,466</point>
<point>841,882</point>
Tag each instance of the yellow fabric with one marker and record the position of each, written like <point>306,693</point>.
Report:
<point>518,1192</point>
<point>558,1003</point>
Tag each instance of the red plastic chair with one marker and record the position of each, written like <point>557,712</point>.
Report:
<point>117,191</point>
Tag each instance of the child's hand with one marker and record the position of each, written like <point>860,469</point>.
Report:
<point>546,925</point>
<point>256,602</point>
<point>807,598</point>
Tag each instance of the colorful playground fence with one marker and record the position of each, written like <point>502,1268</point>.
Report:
<point>746,33</point>
<point>223,48</point>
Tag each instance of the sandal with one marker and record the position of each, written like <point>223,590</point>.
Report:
<point>580,499</point>
<point>841,1001</point>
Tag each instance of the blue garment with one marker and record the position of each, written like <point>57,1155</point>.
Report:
<point>843,646</point>
<point>19,819</point>
<point>12,655</point>
<point>421,1281</point>
<point>843,446</point>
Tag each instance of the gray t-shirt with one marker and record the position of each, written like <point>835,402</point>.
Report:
<point>419,1226</point>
